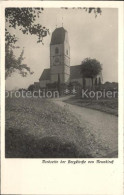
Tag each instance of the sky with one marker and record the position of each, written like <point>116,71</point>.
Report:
<point>88,37</point>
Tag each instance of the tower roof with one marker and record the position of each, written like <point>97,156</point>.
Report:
<point>75,73</point>
<point>45,75</point>
<point>58,36</point>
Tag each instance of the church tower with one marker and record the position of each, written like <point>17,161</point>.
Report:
<point>59,56</point>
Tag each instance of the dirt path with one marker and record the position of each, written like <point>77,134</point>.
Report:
<point>102,125</point>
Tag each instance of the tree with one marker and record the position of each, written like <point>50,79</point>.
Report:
<point>25,20</point>
<point>92,9</point>
<point>31,88</point>
<point>90,68</point>
<point>12,64</point>
<point>89,10</point>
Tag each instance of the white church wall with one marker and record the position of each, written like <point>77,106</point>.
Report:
<point>59,60</point>
<point>66,45</point>
<point>60,65</point>
<point>67,70</point>
<point>53,47</point>
<point>66,60</point>
<point>53,62</point>
<point>54,78</point>
<point>66,78</point>
<point>57,69</point>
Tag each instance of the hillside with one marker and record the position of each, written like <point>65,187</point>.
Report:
<point>38,128</point>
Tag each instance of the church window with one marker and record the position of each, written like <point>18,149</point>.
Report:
<point>57,50</point>
<point>67,52</point>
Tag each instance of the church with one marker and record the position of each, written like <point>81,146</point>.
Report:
<point>60,68</point>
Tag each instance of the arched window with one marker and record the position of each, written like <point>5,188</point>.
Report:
<point>56,50</point>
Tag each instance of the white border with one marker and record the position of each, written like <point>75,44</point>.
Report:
<point>26,176</point>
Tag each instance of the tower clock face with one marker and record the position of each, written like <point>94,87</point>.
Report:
<point>56,61</point>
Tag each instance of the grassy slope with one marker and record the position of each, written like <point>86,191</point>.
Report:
<point>105,105</point>
<point>39,128</point>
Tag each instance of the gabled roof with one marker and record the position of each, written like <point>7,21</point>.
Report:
<point>58,36</point>
<point>45,75</point>
<point>75,72</point>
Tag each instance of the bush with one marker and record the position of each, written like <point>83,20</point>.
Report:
<point>31,88</point>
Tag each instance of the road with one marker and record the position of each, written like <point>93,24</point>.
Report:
<point>102,125</point>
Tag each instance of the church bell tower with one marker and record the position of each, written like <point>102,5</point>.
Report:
<point>59,56</point>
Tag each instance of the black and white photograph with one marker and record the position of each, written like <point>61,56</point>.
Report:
<point>61,71</point>
<point>61,97</point>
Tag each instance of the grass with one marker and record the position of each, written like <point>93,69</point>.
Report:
<point>38,128</point>
<point>105,105</point>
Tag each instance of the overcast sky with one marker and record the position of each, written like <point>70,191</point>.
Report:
<point>88,36</point>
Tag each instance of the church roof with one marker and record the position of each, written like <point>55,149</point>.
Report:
<point>75,73</point>
<point>45,75</point>
<point>58,36</point>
